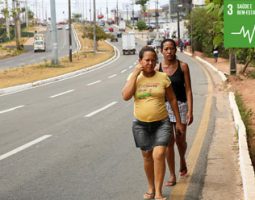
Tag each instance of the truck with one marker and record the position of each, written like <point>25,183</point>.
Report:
<point>122,26</point>
<point>39,42</point>
<point>128,43</point>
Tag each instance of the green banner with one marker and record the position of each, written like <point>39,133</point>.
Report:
<point>239,23</point>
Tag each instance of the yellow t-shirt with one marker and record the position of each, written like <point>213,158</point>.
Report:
<point>149,98</point>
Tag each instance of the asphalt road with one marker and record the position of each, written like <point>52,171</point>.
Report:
<point>31,58</point>
<point>72,140</point>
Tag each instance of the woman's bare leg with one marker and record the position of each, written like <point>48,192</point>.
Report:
<point>149,170</point>
<point>159,153</point>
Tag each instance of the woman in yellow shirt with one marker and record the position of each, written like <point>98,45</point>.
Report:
<point>151,126</point>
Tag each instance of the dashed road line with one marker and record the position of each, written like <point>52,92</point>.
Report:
<point>23,147</point>
<point>94,83</point>
<point>62,93</point>
<point>101,109</point>
<point>11,109</point>
<point>112,76</point>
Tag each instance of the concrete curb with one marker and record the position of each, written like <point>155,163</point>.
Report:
<point>26,86</point>
<point>246,168</point>
<point>76,39</point>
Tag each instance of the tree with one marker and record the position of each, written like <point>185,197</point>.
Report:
<point>200,30</point>
<point>142,3</point>
<point>89,33</point>
<point>218,5</point>
<point>76,17</point>
<point>141,25</point>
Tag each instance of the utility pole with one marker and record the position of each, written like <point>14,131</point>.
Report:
<point>54,60</point>
<point>83,11</point>
<point>178,21</point>
<point>7,20</point>
<point>26,11</point>
<point>169,10</point>
<point>94,30</point>
<point>90,18</point>
<point>127,12</point>
<point>15,9</point>
<point>70,31</point>
<point>156,15</point>
<point>106,10</point>
<point>117,10</point>
<point>133,14</point>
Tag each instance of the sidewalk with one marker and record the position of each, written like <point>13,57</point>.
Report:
<point>222,179</point>
<point>229,173</point>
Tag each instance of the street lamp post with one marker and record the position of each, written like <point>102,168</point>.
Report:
<point>94,27</point>
<point>54,60</point>
<point>178,21</point>
<point>169,10</point>
<point>70,31</point>
<point>133,15</point>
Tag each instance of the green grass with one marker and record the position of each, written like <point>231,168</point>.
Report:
<point>246,115</point>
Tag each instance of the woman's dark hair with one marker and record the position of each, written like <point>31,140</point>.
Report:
<point>147,48</point>
<point>168,40</point>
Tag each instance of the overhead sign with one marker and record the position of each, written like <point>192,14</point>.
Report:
<point>239,23</point>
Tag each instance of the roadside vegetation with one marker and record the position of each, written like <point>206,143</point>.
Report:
<point>247,115</point>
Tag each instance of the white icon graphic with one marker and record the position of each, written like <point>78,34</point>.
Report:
<point>246,33</point>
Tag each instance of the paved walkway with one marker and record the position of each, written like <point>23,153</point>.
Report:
<point>222,179</point>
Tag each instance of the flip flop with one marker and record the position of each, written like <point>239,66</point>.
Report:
<point>170,183</point>
<point>148,196</point>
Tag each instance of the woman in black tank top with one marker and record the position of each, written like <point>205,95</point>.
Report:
<point>179,75</point>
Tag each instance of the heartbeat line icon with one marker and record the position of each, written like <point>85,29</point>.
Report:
<point>246,33</point>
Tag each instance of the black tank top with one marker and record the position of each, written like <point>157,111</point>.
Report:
<point>178,83</point>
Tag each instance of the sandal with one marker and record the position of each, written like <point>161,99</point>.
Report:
<point>184,172</point>
<point>170,183</point>
<point>148,196</point>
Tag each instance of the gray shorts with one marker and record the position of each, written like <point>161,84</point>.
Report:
<point>183,109</point>
<point>150,134</point>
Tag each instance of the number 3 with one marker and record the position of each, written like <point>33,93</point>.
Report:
<point>230,9</point>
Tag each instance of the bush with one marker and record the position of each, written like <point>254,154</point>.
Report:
<point>141,25</point>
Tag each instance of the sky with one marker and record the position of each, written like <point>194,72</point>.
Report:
<point>83,6</point>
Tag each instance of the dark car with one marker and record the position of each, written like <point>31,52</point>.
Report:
<point>119,34</point>
<point>114,37</point>
<point>149,41</point>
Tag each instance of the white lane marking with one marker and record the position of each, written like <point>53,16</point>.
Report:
<point>130,66</point>
<point>94,83</point>
<point>123,70</point>
<point>23,147</point>
<point>11,109</point>
<point>101,109</point>
<point>62,93</point>
<point>112,76</point>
